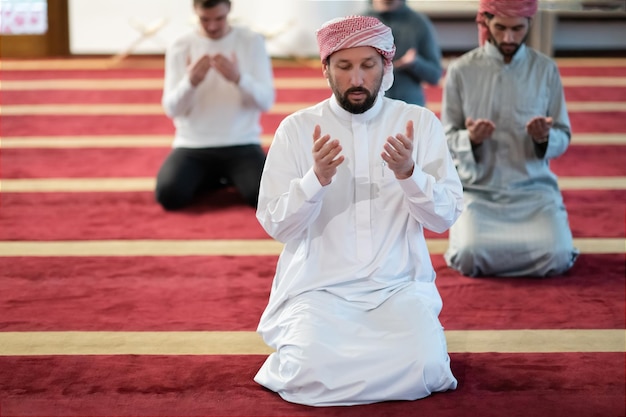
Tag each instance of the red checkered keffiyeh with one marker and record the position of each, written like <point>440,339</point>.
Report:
<point>504,8</point>
<point>355,31</point>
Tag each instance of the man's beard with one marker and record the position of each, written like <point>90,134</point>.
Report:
<point>500,45</point>
<point>356,108</point>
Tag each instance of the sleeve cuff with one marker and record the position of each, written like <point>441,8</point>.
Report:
<point>465,144</point>
<point>185,84</point>
<point>244,82</point>
<point>311,186</point>
<point>416,183</point>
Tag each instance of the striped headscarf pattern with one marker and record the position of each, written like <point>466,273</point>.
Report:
<point>355,31</point>
<point>504,8</point>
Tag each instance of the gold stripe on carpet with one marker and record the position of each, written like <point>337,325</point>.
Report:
<point>279,83</point>
<point>84,84</point>
<point>28,185</point>
<point>157,62</point>
<point>144,247</point>
<point>598,139</point>
<point>592,183</point>
<point>590,62</point>
<point>77,63</point>
<point>76,184</point>
<point>120,109</point>
<point>250,343</point>
<point>221,247</point>
<point>140,141</point>
<point>100,141</point>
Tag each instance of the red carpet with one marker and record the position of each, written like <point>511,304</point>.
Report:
<point>72,74</point>
<point>490,385</point>
<point>84,216</point>
<point>596,213</point>
<point>40,125</point>
<point>82,163</point>
<point>582,160</point>
<point>228,293</point>
<point>135,293</point>
<point>87,215</point>
<point>43,73</point>
<point>144,162</point>
<point>593,71</point>
<point>138,96</point>
<point>81,96</point>
<point>207,293</point>
<point>88,125</point>
<point>595,286</point>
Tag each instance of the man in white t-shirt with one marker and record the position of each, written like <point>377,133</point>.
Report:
<point>218,81</point>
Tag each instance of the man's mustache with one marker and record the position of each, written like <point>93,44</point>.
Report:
<point>357,90</point>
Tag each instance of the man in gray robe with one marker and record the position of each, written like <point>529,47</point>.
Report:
<point>505,118</point>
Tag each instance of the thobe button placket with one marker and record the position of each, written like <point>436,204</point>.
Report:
<point>362,179</point>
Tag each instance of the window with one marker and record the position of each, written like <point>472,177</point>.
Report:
<point>23,17</point>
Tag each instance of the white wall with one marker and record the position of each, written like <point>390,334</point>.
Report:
<point>111,27</point>
<point>114,26</point>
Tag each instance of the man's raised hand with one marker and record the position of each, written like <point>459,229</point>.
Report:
<point>229,68</point>
<point>198,70</point>
<point>539,128</point>
<point>398,153</point>
<point>479,130</point>
<point>326,156</point>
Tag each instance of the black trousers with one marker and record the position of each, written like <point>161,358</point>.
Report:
<point>187,173</point>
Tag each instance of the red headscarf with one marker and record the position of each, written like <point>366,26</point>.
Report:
<point>354,31</point>
<point>505,8</point>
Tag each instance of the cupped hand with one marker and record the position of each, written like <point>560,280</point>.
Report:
<point>326,156</point>
<point>229,68</point>
<point>199,69</point>
<point>479,129</point>
<point>398,152</point>
<point>538,128</point>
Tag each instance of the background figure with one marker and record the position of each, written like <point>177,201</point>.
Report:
<point>418,55</point>
<point>218,80</point>
<point>505,117</point>
<point>349,186</point>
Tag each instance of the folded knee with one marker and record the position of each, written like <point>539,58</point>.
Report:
<point>171,199</point>
<point>463,260</point>
<point>561,260</point>
<point>438,376</point>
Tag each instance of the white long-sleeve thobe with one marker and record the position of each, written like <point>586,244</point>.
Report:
<point>514,222</point>
<point>353,310</point>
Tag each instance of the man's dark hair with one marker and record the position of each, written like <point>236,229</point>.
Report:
<point>207,4</point>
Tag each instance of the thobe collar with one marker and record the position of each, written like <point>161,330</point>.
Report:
<point>359,118</point>
<point>493,52</point>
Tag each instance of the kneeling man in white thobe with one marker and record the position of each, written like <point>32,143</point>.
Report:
<point>349,186</point>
